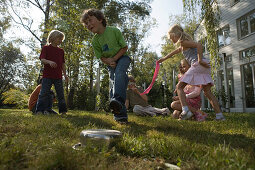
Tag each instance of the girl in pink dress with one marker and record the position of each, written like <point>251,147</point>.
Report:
<point>198,74</point>
<point>193,98</point>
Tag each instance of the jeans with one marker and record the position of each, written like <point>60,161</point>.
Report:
<point>119,82</point>
<point>42,103</point>
<point>48,102</point>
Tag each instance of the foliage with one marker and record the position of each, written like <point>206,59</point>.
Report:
<point>11,66</point>
<point>16,98</point>
<point>45,142</point>
<point>210,16</point>
<point>221,94</point>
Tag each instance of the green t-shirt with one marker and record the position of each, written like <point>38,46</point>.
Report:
<point>109,43</point>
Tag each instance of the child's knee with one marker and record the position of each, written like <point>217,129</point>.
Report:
<point>173,105</point>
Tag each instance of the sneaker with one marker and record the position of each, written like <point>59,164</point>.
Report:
<point>186,115</point>
<point>220,118</point>
<point>115,106</point>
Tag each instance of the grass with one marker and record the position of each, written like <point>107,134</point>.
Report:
<point>45,142</point>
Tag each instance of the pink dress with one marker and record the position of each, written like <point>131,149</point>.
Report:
<point>197,74</point>
<point>195,102</point>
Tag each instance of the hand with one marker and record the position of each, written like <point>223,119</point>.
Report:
<point>113,64</point>
<point>161,60</point>
<point>204,64</point>
<point>109,61</point>
<point>53,64</point>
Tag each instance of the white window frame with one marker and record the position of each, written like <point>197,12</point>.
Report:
<point>227,27</point>
<point>249,25</point>
<point>241,53</point>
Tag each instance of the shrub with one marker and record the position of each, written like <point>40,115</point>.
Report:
<point>15,98</point>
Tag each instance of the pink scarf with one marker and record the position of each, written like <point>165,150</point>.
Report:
<point>153,79</point>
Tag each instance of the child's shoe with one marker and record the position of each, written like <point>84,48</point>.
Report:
<point>115,106</point>
<point>186,115</point>
<point>220,117</point>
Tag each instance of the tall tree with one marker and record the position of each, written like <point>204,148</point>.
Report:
<point>210,15</point>
<point>20,12</point>
<point>11,65</point>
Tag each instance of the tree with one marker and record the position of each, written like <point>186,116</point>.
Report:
<point>11,64</point>
<point>210,15</point>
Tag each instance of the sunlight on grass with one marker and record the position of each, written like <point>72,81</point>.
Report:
<point>45,142</point>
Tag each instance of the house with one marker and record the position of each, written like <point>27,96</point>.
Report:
<point>236,41</point>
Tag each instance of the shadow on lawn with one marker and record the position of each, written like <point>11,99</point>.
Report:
<point>81,121</point>
<point>196,134</point>
<point>193,134</point>
<point>211,138</point>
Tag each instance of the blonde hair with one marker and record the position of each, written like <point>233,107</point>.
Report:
<point>53,35</point>
<point>183,61</point>
<point>177,31</point>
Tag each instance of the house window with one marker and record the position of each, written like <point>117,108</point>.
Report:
<point>222,93</point>
<point>249,84</point>
<point>247,53</point>
<point>233,2</point>
<point>224,36</point>
<point>246,24</point>
<point>228,59</point>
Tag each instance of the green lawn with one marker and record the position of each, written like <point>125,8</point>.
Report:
<point>45,142</point>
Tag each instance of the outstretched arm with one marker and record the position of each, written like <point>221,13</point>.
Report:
<point>170,55</point>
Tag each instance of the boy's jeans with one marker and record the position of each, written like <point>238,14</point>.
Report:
<point>45,90</point>
<point>119,82</point>
<point>48,103</point>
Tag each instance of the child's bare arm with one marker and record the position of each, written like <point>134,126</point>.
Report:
<point>120,53</point>
<point>178,50</point>
<point>51,63</point>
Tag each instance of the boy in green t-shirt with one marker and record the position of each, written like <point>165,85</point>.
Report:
<point>109,46</point>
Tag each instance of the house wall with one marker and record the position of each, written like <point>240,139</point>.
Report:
<point>229,14</point>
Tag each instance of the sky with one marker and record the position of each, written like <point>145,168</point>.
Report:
<point>161,10</point>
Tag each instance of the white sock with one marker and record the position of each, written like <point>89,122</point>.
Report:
<point>185,108</point>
